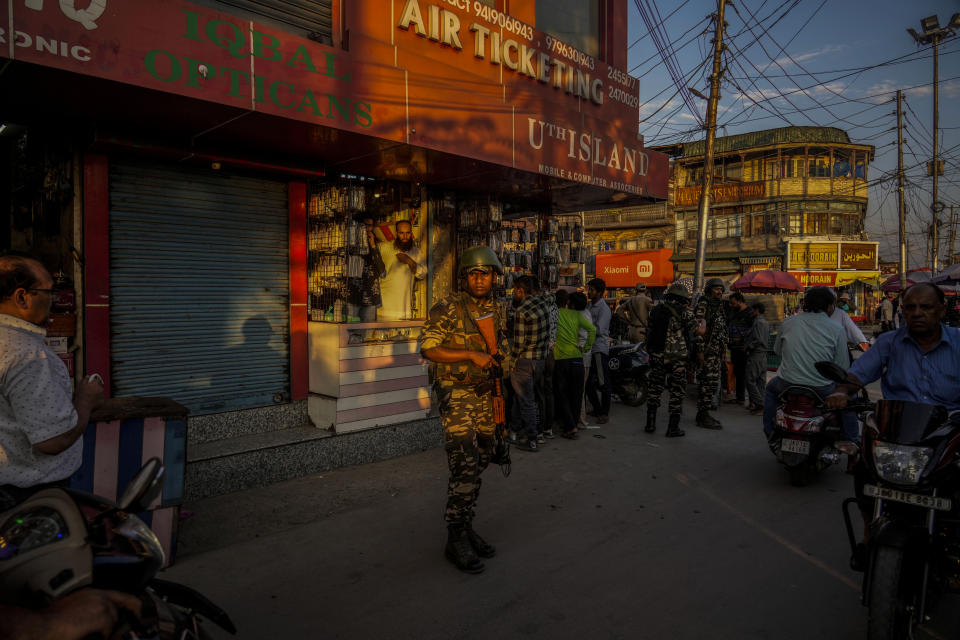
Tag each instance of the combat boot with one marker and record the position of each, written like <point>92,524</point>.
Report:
<point>651,419</point>
<point>673,428</point>
<point>460,552</point>
<point>707,421</point>
<point>483,548</point>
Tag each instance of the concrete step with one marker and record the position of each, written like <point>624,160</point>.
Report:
<point>232,424</point>
<point>252,460</point>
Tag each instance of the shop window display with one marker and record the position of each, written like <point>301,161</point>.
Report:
<point>366,263</point>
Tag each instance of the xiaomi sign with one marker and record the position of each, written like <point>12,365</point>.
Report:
<point>627,268</point>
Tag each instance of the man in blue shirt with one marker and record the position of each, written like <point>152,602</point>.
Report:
<point>919,362</point>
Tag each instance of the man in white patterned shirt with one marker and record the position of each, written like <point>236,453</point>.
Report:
<point>41,423</point>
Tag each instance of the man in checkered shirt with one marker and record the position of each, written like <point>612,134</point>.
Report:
<point>531,340</point>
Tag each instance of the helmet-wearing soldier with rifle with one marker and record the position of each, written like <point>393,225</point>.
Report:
<point>465,342</point>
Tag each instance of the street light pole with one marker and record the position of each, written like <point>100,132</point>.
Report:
<point>704,208</point>
<point>933,33</point>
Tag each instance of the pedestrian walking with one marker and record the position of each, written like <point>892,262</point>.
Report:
<point>531,335</point>
<point>671,338</point>
<point>757,348</point>
<point>598,381</point>
<point>461,359</point>
<point>569,371</point>
<point>741,323</point>
<point>635,311</point>
<point>710,312</point>
<point>887,313</point>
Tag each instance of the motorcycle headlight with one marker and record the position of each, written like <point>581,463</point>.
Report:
<point>135,529</point>
<point>899,463</point>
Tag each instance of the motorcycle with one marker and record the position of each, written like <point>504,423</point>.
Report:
<point>807,436</point>
<point>911,470</point>
<point>59,540</point>
<point>629,365</point>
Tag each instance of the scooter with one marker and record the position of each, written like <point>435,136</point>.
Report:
<point>59,540</point>
<point>629,365</point>
<point>807,436</point>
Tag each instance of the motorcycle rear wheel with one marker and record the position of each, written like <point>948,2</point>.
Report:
<point>634,393</point>
<point>888,616</point>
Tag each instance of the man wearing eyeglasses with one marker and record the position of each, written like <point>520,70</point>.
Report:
<point>41,421</point>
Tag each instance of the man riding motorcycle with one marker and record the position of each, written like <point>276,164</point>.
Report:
<point>916,363</point>
<point>804,340</point>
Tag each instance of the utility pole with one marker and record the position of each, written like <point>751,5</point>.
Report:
<point>953,233</point>
<point>901,211</point>
<point>704,209</point>
<point>933,33</point>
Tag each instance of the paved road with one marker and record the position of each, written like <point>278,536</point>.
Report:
<point>620,534</point>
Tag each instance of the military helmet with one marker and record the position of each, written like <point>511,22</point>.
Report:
<point>479,257</point>
<point>713,282</point>
<point>680,291</point>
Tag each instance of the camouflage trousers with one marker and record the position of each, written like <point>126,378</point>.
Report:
<point>469,439</point>
<point>708,379</point>
<point>673,374</point>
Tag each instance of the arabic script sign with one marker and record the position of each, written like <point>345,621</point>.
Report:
<point>858,255</point>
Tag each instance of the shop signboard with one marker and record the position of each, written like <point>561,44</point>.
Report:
<point>834,278</point>
<point>858,255</point>
<point>452,76</point>
<point>727,192</point>
<point>627,268</point>
<point>812,255</point>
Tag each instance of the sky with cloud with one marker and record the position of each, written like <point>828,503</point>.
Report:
<point>814,63</point>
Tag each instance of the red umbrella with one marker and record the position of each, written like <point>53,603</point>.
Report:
<point>765,281</point>
<point>913,277</point>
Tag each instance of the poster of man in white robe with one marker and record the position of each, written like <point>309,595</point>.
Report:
<point>404,264</point>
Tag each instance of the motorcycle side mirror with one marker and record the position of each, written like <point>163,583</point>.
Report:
<point>143,488</point>
<point>831,371</point>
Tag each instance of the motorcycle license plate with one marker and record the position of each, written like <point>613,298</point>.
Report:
<point>919,500</point>
<point>795,446</point>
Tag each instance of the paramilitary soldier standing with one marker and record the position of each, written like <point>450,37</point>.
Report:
<point>452,339</point>
<point>710,309</point>
<point>671,337</point>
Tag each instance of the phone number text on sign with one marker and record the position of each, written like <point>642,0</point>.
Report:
<point>494,17</point>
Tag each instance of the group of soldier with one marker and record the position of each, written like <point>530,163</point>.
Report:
<point>464,339</point>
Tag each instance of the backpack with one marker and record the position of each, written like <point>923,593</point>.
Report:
<point>878,313</point>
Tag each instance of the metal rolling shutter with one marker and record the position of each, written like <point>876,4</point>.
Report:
<point>199,288</point>
<point>315,17</point>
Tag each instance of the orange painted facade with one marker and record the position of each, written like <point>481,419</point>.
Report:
<point>446,76</point>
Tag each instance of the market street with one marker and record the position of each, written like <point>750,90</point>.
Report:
<point>619,534</point>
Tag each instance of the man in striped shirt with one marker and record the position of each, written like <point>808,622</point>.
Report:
<point>530,341</point>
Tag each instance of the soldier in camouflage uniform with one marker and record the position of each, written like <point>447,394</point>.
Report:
<point>671,336</point>
<point>461,362</point>
<point>710,309</point>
